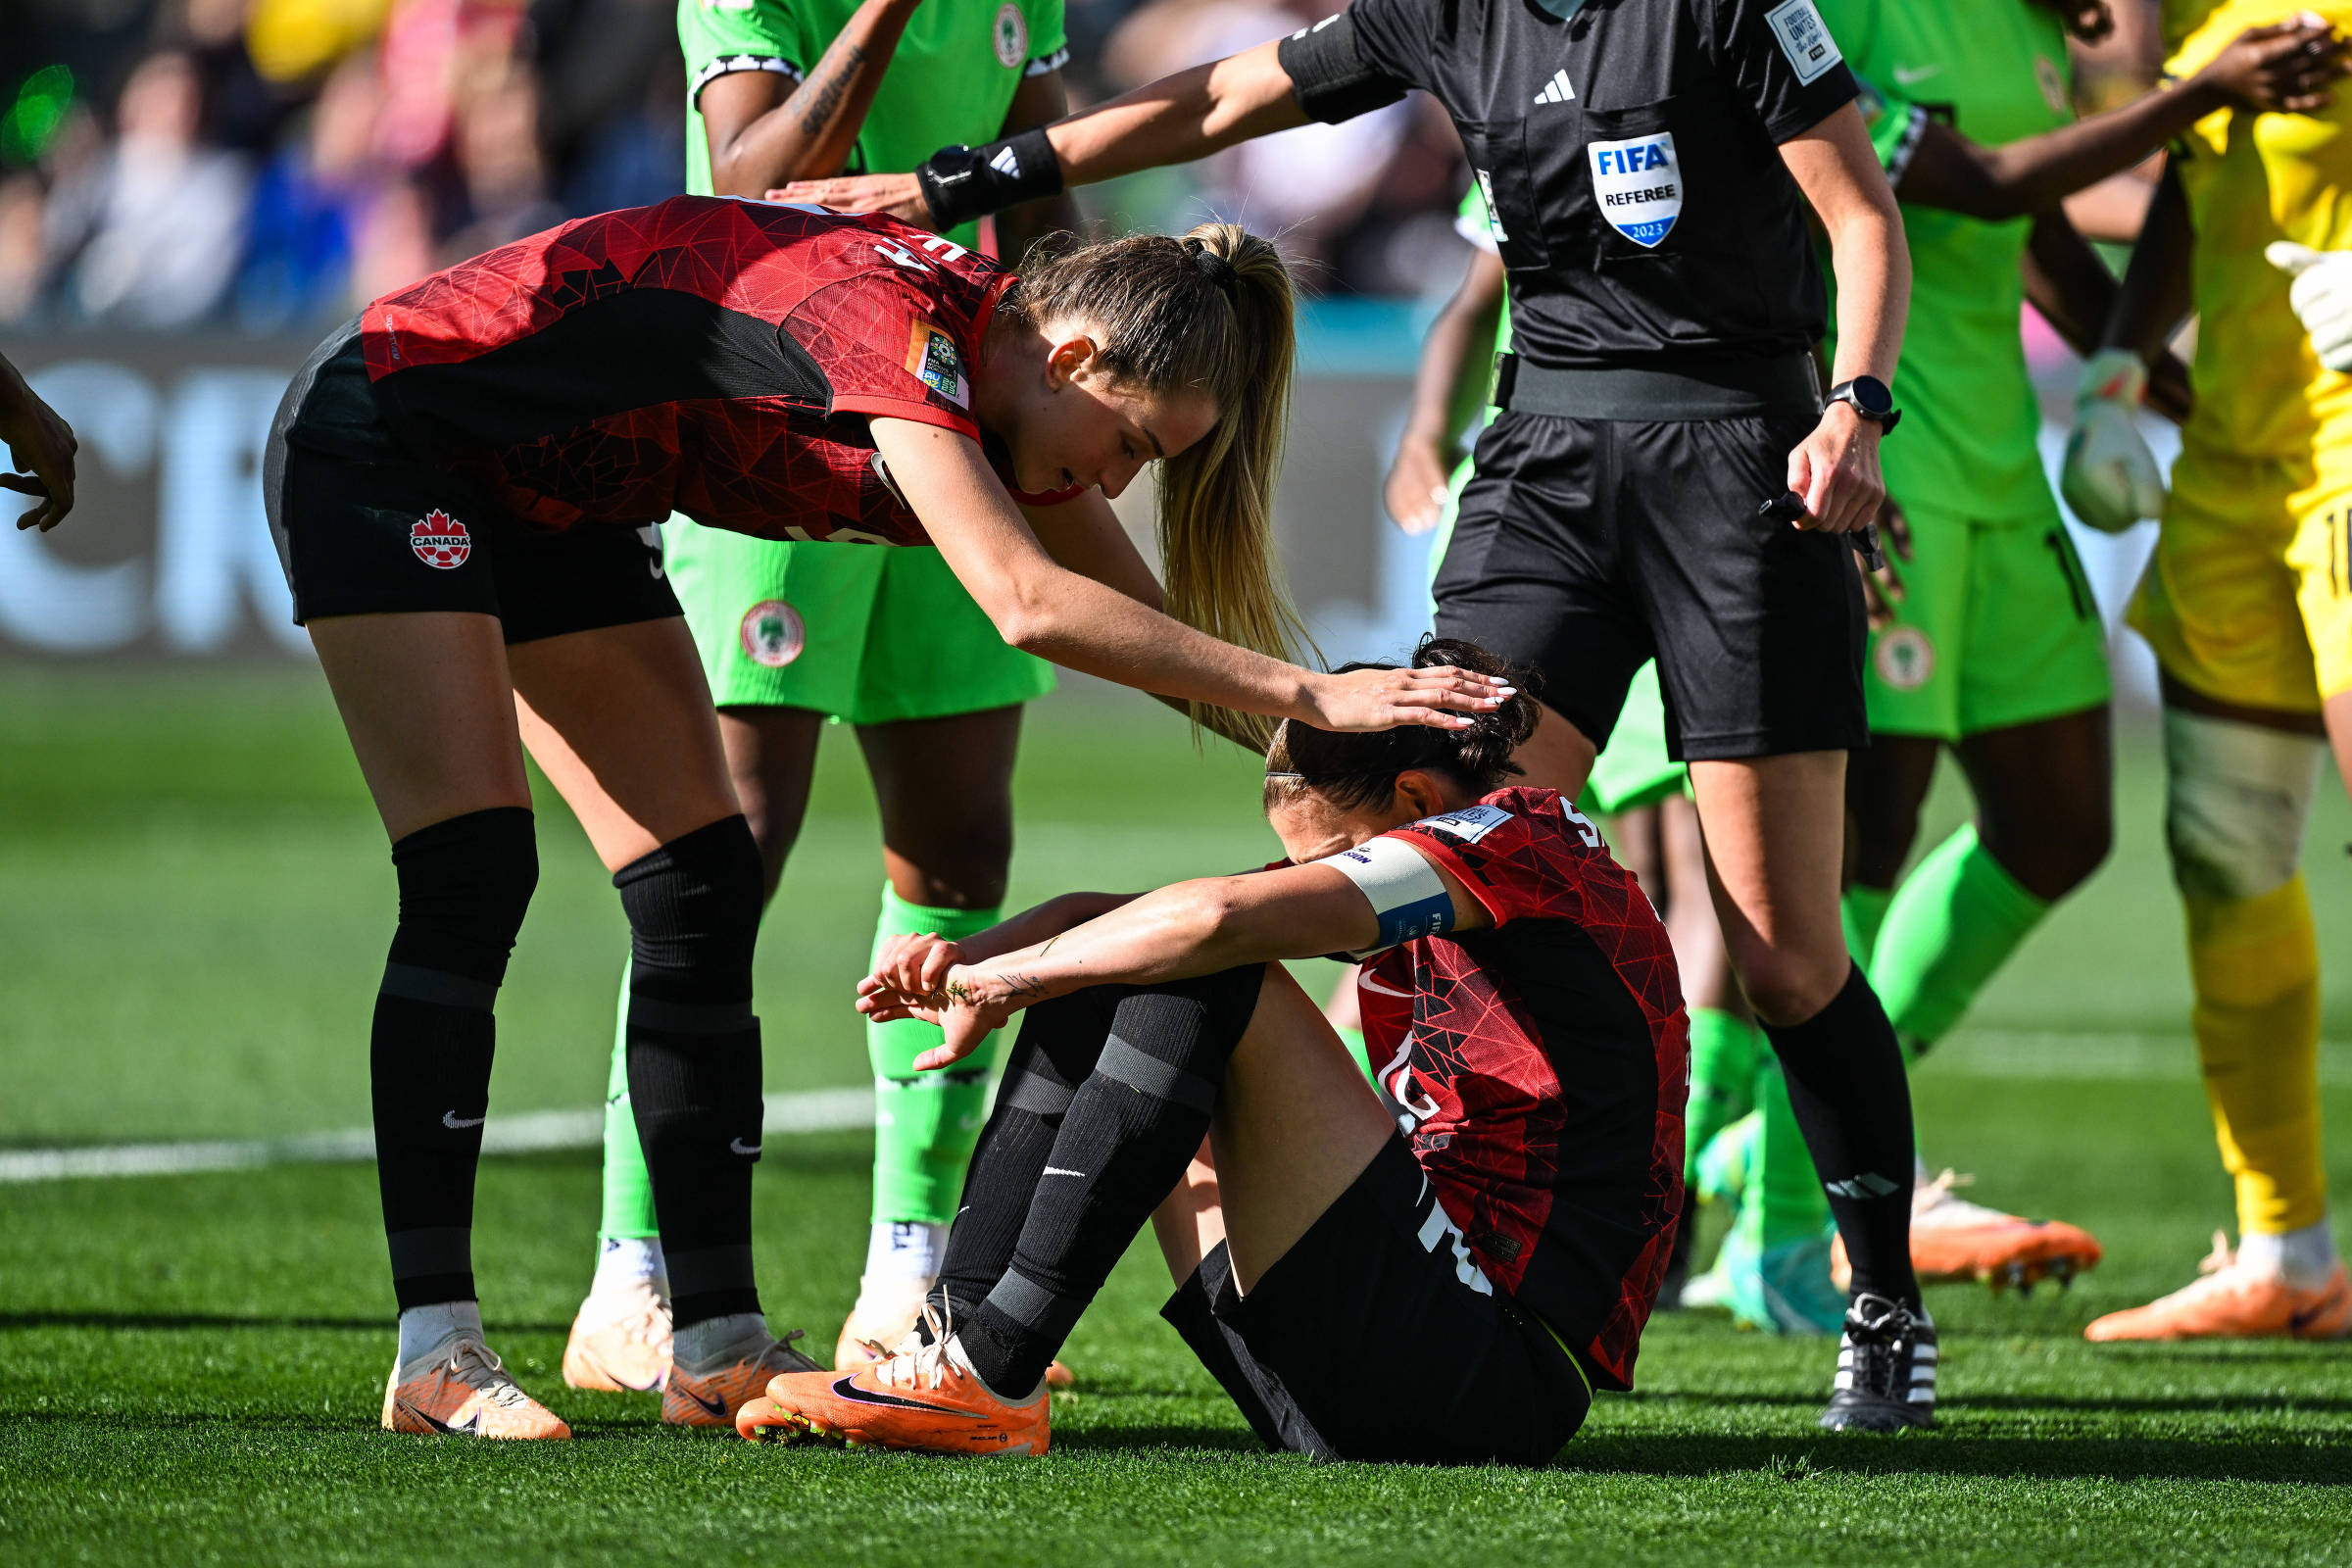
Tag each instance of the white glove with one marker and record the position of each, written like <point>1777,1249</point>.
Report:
<point>2322,295</point>
<point>2110,477</point>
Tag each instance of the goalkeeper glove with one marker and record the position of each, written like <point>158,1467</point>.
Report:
<point>2322,295</point>
<point>2110,478</point>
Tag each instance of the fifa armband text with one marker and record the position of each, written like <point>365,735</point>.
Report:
<point>1406,893</point>
<point>1330,79</point>
<point>963,184</point>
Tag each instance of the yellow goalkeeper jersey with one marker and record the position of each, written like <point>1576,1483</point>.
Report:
<point>2251,179</point>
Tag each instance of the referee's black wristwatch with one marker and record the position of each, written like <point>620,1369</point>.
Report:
<point>1870,399</point>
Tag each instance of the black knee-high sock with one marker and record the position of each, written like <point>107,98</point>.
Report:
<point>694,1058</point>
<point>1131,1129</point>
<point>1852,1101</point>
<point>1058,1045</point>
<point>463,887</point>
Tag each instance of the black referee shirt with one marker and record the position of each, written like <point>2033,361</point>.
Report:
<point>1628,156</point>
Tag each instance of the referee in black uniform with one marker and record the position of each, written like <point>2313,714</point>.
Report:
<point>1648,165</point>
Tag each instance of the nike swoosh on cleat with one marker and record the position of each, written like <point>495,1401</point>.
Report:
<point>458,1124</point>
<point>710,1407</point>
<point>846,1389</point>
<point>2297,1322</point>
<point>443,1427</point>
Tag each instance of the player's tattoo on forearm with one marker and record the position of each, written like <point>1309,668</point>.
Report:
<point>826,93</point>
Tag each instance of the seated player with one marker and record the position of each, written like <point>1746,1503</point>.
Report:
<point>1502,1238</point>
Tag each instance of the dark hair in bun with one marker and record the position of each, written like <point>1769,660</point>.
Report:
<point>1359,769</point>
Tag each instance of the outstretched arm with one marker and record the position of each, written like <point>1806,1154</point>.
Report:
<point>1172,120</point>
<point>2286,67</point>
<point>1191,928</point>
<point>1041,605</point>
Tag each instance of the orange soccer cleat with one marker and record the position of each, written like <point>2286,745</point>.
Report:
<point>884,1317</point>
<point>2234,1302</point>
<point>619,1340</point>
<point>460,1388</point>
<point>713,1399</point>
<point>926,1400</point>
<point>1953,1239</point>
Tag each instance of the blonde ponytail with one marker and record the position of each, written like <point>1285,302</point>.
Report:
<point>1173,320</point>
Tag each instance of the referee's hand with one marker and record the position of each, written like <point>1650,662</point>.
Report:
<point>1835,470</point>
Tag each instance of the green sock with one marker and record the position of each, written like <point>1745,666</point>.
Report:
<point>628,1190</point>
<point>1785,1200</point>
<point>1723,1075</point>
<point>925,1124</point>
<point>1953,923</point>
<point>1864,911</point>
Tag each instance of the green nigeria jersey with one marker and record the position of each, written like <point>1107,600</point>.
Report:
<point>951,80</point>
<point>1996,70</point>
<point>1477,226</point>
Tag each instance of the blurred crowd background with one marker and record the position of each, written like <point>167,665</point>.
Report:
<point>266,166</point>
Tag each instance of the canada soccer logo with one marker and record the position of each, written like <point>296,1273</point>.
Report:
<point>440,540</point>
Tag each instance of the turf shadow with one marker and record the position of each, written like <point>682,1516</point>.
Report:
<point>2043,1458</point>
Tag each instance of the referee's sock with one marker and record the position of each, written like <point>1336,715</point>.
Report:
<point>1132,1128</point>
<point>465,884</point>
<point>1847,1087</point>
<point>694,1059</point>
<point>1058,1045</point>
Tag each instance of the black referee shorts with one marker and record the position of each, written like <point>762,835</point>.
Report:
<point>1583,547</point>
<point>1365,1342</point>
<point>365,527</point>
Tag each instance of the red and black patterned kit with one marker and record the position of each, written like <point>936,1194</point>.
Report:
<point>1541,1068</point>
<point>703,356</point>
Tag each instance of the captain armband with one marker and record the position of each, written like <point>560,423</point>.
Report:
<point>1407,896</point>
<point>1330,79</point>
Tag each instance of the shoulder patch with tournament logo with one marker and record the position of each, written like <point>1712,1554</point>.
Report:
<point>1804,38</point>
<point>1467,825</point>
<point>932,359</point>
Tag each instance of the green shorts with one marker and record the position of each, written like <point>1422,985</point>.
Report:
<point>1634,769</point>
<point>867,633</point>
<point>1996,628</point>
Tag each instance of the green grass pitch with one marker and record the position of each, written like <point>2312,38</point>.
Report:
<point>195,903</point>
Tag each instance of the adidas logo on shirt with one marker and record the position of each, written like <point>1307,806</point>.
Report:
<point>1556,90</point>
<point>1006,163</point>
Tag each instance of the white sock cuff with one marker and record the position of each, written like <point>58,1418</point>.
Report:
<point>424,1329</point>
<point>906,1249</point>
<point>2304,1257</point>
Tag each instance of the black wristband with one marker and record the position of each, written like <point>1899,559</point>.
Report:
<point>962,184</point>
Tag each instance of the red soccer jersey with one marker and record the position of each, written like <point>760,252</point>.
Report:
<point>1539,1068</point>
<point>705,356</point>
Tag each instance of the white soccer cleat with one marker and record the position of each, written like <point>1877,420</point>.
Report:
<point>619,1339</point>
<point>460,1388</point>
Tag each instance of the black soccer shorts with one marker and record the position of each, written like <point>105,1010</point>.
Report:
<point>364,526</point>
<point>1365,1342</point>
<point>1583,547</point>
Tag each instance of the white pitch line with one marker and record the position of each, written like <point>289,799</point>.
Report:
<point>813,1111</point>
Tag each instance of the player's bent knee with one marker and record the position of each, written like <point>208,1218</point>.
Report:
<point>468,880</point>
<point>2236,800</point>
<point>693,903</point>
<point>1787,988</point>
